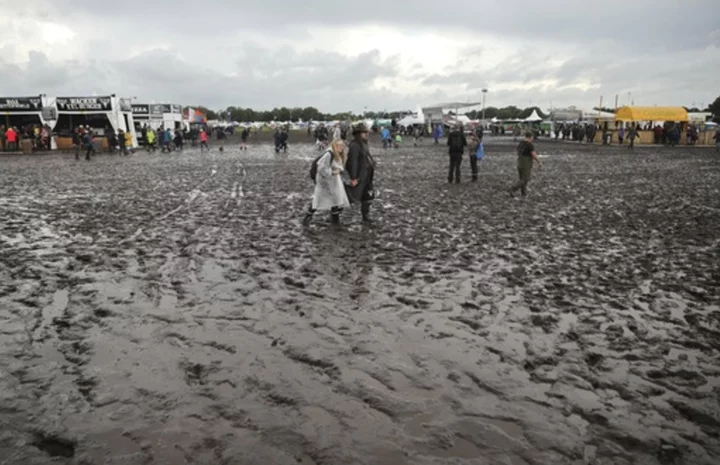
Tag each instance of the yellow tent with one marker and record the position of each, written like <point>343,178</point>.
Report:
<point>651,114</point>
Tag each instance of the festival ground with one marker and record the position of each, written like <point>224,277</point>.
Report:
<point>170,309</point>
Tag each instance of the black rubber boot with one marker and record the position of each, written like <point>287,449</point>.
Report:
<point>365,210</point>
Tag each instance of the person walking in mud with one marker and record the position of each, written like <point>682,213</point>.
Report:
<point>244,138</point>
<point>456,147</point>
<point>717,140</point>
<point>88,144</point>
<point>437,133</point>
<point>128,143</point>
<point>150,139</point>
<point>360,166</point>
<point>77,141</point>
<point>178,140</point>
<point>203,141</point>
<point>526,155</point>
<point>121,142</point>
<point>329,191</point>
<point>417,136</point>
<point>473,145</point>
<point>632,135</point>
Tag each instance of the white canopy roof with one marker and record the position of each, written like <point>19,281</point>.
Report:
<point>414,118</point>
<point>533,117</point>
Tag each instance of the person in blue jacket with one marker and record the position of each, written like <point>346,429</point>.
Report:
<point>437,133</point>
<point>385,134</point>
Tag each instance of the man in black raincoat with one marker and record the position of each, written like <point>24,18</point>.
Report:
<point>361,169</point>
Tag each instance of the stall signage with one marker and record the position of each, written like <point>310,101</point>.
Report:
<point>141,109</point>
<point>167,108</point>
<point>156,109</point>
<point>177,109</point>
<point>84,103</point>
<point>20,104</point>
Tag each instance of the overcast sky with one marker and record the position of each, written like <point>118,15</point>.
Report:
<point>374,54</point>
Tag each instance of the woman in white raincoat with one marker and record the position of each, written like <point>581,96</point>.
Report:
<point>329,186</point>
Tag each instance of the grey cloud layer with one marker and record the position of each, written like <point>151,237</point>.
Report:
<point>265,78</point>
<point>664,52</point>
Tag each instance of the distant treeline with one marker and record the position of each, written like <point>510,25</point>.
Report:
<point>313,114</point>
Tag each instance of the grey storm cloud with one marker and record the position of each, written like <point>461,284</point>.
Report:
<point>221,53</point>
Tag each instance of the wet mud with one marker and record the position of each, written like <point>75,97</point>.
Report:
<point>164,309</point>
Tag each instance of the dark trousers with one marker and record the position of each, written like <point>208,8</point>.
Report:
<point>204,144</point>
<point>454,171</point>
<point>525,165</point>
<point>77,151</point>
<point>473,166</point>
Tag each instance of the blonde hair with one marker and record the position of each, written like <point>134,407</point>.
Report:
<point>338,155</point>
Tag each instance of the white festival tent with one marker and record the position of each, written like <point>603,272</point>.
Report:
<point>533,118</point>
<point>412,119</point>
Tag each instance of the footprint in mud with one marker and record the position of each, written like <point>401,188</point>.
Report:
<point>196,373</point>
<point>53,445</point>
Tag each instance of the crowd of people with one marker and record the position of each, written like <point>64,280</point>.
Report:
<point>342,180</point>
<point>38,136</point>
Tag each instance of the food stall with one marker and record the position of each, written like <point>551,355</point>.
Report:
<point>102,114</point>
<point>21,111</point>
<point>26,113</point>
<point>644,116</point>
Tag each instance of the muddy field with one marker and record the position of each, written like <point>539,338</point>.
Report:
<point>172,310</point>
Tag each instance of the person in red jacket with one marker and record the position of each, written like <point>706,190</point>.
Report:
<point>11,139</point>
<point>203,140</point>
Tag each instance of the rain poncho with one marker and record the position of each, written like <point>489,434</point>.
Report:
<point>385,133</point>
<point>480,152</point>
<point>329,187</point>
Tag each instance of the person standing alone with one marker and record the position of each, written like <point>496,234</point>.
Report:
<point>361,169</point>
<point>526,156</point>
<point>456,147</point>
<point>203,141</point>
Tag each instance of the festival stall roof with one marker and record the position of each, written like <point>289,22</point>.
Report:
<point>598,115</point>
<point>22,110</point>
<point>678,114</point>
<point>534,117</point>
<point>567,114</point>
<point>699,117</point>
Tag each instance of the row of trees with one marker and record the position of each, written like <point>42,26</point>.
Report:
<point>313,114</point>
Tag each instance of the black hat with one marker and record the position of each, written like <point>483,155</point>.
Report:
<point>360,127</point>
